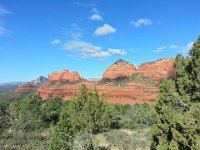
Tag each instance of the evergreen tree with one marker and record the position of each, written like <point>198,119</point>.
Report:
<point>51,109</point>
<point>26,114</point>
<point>85,113</point>
<point>177,112</point>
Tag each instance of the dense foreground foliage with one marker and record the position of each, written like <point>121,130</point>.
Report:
<point>177,118</point>
<point>28,122</point>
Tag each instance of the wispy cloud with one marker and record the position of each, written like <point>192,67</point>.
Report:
<point>87,50</point>
<point>96,15</point>
<point>75,32</point>
<point>3,28</point>
<point>189,46</point>
<point>56,42</point>
<point>84,4</point>
<point>173,46</point>
<point>142,22</point>
<point>184,48</point>
<point>160,49</point>
<point>3,10</point>
<point>104,30</point>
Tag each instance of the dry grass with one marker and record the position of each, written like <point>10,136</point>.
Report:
<point>102,141</point>
<point>137,139</point>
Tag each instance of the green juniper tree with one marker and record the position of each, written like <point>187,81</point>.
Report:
<point>177,112</point>
<point>85,113</point>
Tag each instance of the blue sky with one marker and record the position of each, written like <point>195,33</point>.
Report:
<point>38,37</point>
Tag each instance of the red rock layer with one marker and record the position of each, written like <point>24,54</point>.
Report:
<point>136,91</point>
<point>26,87</point>
<point>132,94</point>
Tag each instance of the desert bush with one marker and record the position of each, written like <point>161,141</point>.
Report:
<point>120,81</point>
<point>139,139</point>
<point>26,114</point>
<point>134,116</point>
<point>144,79</point>
<point>51,109</point>
<point>19,139</point>
<point>86,113</point>
<point>104,81</point>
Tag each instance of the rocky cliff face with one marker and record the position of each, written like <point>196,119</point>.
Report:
<point>119,69</point>
<point>121,83</point>
<point>63,84</point>
<point>64,75</point>
<point>159,69</point>
<point>26,87</point>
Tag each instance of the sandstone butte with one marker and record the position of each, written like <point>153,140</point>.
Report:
<point>121,83</point>
<point>120,68</point>
<point>64,75</point>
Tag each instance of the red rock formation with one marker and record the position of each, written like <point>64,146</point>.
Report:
<point>64,75</point>
<point>120,68</point>
<point>26,87</point>
<point>137,90</point>
<point>54,76</point>
<point>158,70</point>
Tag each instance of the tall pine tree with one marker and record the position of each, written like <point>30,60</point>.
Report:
<point>177,112</point>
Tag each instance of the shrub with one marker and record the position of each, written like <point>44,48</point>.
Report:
<point>104,81</point>
<point>51,109</point>
<point>134,116</point>
<point>132,140</point>
<point>120,81</point>
<point>26,114</point>
<point>86,113</point>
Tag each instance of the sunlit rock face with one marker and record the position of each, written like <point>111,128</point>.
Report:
<point>121,83</point>
<point>159,69</point>
<point>119,69</point>
<point>64,75</point>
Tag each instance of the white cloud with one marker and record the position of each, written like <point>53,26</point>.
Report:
<point>160,49</point>
<point>104,30</point>
<point>75,32</point>
<point>75,35</point>
<point>140,22</point>
<point>3,12</point>
<point>87,50</point>
<point>96,17</point>
<point>95,11</point>
<point>3,30</point>
<point>117,51</point>
<point>84,4</point>
<point>189,45</point>
<point>173,46</point>
<point>184,48</point>
<point>56,42</point>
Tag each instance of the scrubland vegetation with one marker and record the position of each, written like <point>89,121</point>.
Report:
<point>28,122</point>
